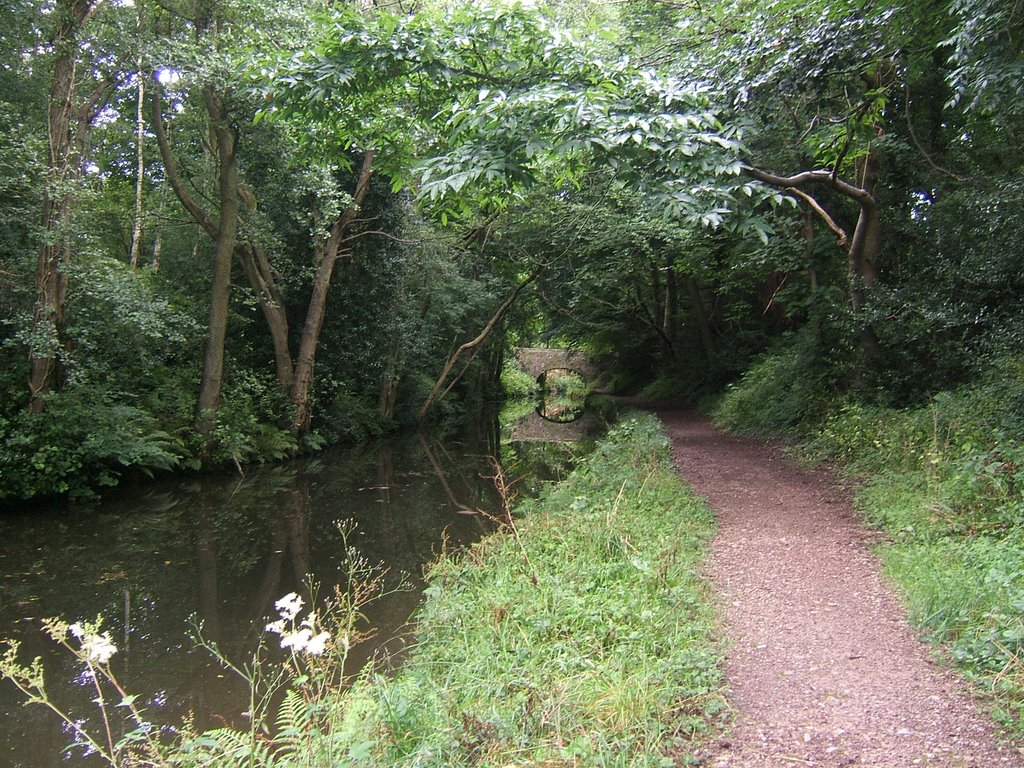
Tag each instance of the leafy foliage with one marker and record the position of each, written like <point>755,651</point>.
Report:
<point>81,443</point>
<point>784,390</point>
<point>987,56</point>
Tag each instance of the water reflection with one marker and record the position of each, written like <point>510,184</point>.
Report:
<point>223,550</point>
<point>563,395</point>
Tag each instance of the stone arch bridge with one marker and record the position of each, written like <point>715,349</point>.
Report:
<point>537,360</point>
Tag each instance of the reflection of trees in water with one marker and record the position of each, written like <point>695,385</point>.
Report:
<point>224,550</point>
<point>563,393</point>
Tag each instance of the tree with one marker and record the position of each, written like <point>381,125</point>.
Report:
<point>69,116</point>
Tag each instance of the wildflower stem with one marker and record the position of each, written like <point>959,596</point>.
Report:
<point>39,696</point>
<point>154,744</point>
<point>101,703</point>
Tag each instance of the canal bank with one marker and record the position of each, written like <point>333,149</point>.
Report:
<point>158,560</point>
<point>581,634</point>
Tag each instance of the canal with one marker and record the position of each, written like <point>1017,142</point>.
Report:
<point>155,559</point>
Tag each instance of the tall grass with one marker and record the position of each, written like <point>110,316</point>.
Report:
<point>582,637</point>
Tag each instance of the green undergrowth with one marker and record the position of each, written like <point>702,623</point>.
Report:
<point>945,482</point>
<point>582,635</point>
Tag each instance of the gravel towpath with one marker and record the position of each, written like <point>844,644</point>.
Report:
<point>823,669</point>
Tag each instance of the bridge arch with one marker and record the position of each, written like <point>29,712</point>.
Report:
<point>538,360</point>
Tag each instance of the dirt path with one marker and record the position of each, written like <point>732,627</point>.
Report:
<point>823,668</point>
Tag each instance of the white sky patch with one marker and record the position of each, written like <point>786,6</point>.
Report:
<point>168,76</point>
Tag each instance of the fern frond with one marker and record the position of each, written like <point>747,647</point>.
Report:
<point>227,748</point>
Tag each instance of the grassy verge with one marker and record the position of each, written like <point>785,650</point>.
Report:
<point>945,482</point>
<point>583,636</point>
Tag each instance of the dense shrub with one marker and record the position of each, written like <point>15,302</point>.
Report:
<point>79,444</point>
<point>784,389</point>
<point>517,383</point>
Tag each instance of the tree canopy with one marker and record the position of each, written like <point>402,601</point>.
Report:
<point>297,217</point>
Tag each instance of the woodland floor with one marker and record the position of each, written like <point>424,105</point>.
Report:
<point>823,668</point>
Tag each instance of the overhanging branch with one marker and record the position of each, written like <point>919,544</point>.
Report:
<point>841,238</point>
<point>804,178</point>
<point>432,398</point>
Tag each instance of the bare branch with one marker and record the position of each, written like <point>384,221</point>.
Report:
<point>803,178</point>
<point>841,238</point>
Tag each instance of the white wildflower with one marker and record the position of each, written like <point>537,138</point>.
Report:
<point>296,640</point>
<point>95,646</point>
<point>317,644</point>
<point>289,606</point>
<point>277,627</point>
<point>303,638</point>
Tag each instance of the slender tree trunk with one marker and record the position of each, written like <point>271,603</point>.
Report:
<point>659,294</point>
<point>140,135</point>
<point>58,199</point>
<point>158,229</point>
<point>302,382</point>
<point>260,274</point>
<point>700,319</point>
<point>220,294</point>
<point>669,324</point>
<point>251,256</point>
<point>864,249</point>
<point>389,384</point>
<point>392,369</point>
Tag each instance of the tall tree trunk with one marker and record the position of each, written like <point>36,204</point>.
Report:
<point>58,197</point>
<point>140,135</point>
<point>669,321</point>
<point>700,319</point>
<point>304,366</point>
<point>864,249</point>
<point>220,293</point>
<point>659,294</point>
<point>252,257</point>
<point>867,235</point>
<point>260,274</point>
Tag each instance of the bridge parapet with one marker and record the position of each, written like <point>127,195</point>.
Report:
<point>537,360</point>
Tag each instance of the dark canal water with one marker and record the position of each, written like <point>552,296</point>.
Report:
<point>223,549</point>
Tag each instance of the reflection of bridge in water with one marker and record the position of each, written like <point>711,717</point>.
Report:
<point>535,429</point>
<point>536,361</point>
